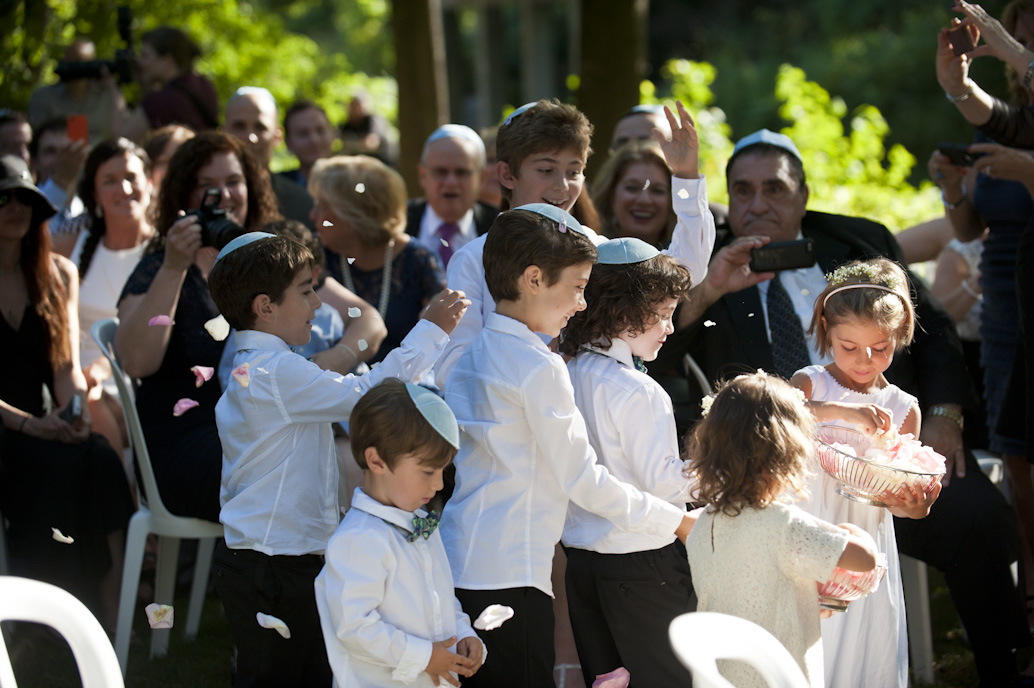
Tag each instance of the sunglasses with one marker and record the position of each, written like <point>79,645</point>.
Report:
<point>24,196</point>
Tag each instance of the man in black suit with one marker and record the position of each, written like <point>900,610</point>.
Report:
<point>971,533</point>
<point>450,215</point>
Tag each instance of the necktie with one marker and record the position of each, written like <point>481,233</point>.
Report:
<point>789,349</point>
<point>446,233</point>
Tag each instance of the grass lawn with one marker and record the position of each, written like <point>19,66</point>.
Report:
<point>42,660</point>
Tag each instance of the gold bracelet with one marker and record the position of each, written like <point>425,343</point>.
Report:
<point>946,412</point>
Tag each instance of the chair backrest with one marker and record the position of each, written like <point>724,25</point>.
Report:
<point>22,599</point>
<point>701,638</point>
<point>103,332</point>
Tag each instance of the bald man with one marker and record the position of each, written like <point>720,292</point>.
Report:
<point>253,117</point>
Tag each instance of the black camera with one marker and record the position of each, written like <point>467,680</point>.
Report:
<point>121,67</point>
<point>217,229</point>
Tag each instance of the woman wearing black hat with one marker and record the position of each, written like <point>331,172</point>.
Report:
<point>55,475</point>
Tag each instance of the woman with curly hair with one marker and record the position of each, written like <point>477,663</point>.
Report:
<point>55,475</point>
<point>171,280</point>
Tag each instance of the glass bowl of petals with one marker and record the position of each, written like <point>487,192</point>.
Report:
<point>846,586</point>
<point>866,466</point>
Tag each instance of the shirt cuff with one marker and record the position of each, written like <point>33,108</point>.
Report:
<point>689,196</point>
<point>414,660</point>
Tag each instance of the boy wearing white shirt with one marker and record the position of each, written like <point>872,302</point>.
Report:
<point>386,601</point>
<point>542,149</point>
<point>280,473</point>
<point>524,452</point>
<point>625,587</point>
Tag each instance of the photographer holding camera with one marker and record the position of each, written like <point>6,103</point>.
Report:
<point>173,92</point>
<point>171,279</point>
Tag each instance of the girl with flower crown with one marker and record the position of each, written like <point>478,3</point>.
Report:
<point>863,316</point>
<point>753,553</point>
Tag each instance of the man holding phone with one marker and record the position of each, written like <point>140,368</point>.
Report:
<point>736,320</point>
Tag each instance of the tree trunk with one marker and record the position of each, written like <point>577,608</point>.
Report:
<point>420,73</point>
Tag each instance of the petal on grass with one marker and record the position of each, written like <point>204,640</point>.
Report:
<point>202,374</point>
<point>218,328</point>
<point>159,615</point>
<point>61,537</point>
<point>273,623</point>
<point>182,406</point>
<point>241,375</point>
<point>493,617</point>
<point>160,320</point>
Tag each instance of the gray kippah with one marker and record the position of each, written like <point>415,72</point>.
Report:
<point>436,412</point>
<point>625,251</point>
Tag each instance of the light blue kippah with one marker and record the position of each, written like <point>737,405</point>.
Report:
<point>259,92</point>
<point>242,240</point>
<point>518,112</point>
<point>625,251</point>
<point>564,219</point>
<point>771,138</point>
<point>436,412</point>
<point>456,131</point>
<point>645,110</point>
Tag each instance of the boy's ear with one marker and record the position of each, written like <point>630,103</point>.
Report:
<point>506,177</point>
<point>374,463</point>
<point>531,280</point>
<point>262,307</point>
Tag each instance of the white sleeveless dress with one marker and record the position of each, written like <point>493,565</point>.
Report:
<point>867,645</point>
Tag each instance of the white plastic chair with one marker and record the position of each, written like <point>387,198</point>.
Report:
<point>701,638</point>
<point>153,517</point>
<point>22,599</point>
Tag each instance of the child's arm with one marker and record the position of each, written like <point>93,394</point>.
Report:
<point>860,552</point>
<point>368,326</point>
<point>868,417</point>
<point>693,238</point>
<point>447,309</point>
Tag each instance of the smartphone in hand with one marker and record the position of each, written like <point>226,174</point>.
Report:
<point>783,255</point>
<point>78,128</point>
<point>958,154</point>
<point>962,40</point>
<point>73,410</point>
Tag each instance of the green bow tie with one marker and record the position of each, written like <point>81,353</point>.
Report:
<point>423,527</point>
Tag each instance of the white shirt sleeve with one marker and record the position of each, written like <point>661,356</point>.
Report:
<point>559,430</point>
<point>694,235</point>
<point>466,273</point>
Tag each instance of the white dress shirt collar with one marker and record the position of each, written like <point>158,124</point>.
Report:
<point>256,339</point>
<point>388,514</point>
<point>619,350</point>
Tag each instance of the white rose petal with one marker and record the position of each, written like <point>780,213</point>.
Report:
<point>683,194</point>
<point>218,328</point>
<point>360,188</point>
<point>61,537</point>
<point>363,346</point>
<point>750,315</point>
<point>493,617</point>
<point>328,223</point>
<point>273,623</point>
<point>159,615</point>
<point>354,312</point>
<point>709,323</point>
<point>351,260</point>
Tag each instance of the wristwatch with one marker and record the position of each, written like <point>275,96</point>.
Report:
<point>947,412</point>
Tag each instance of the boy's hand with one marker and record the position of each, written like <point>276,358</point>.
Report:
<point>446,309</point>
<point>470,647</point>
<point>683,150</point>
<point>910,501</point>
<point>443,662</point>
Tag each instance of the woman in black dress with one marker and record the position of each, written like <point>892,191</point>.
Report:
<point>54,473</point>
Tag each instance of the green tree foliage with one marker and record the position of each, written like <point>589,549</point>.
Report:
<point>851,170</point>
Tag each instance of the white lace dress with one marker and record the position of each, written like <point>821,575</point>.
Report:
<point>763,565</point>
<point>868,644</point>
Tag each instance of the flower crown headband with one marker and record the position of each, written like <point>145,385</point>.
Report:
<point>862,270</point>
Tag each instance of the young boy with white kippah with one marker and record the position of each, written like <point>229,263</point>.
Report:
<point>386,600</point>
<point>279,491</point>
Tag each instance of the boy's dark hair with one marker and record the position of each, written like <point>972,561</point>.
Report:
<point>300,105</point>
<point>293,229</point>
<point>267,266</point>
<point>521,238</point>
<point>387,419</point>
<point>623,297</point>
<point>543,128</point>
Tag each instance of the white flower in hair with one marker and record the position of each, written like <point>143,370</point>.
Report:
<point>862,270</point>
<point>800,395</point>
<point>705,405</point>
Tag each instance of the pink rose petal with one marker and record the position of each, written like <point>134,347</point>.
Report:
<point>160,320</point>
<point>159,615</point>
<point>241,375</point>
<point>182,406</point>
<point>618,678</point>
<point>203,374</point>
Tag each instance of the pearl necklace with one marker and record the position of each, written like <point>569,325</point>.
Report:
<point>346,273</point>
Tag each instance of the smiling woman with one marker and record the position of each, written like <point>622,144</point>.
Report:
<point>633,194</point>
<point>172,280</point>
